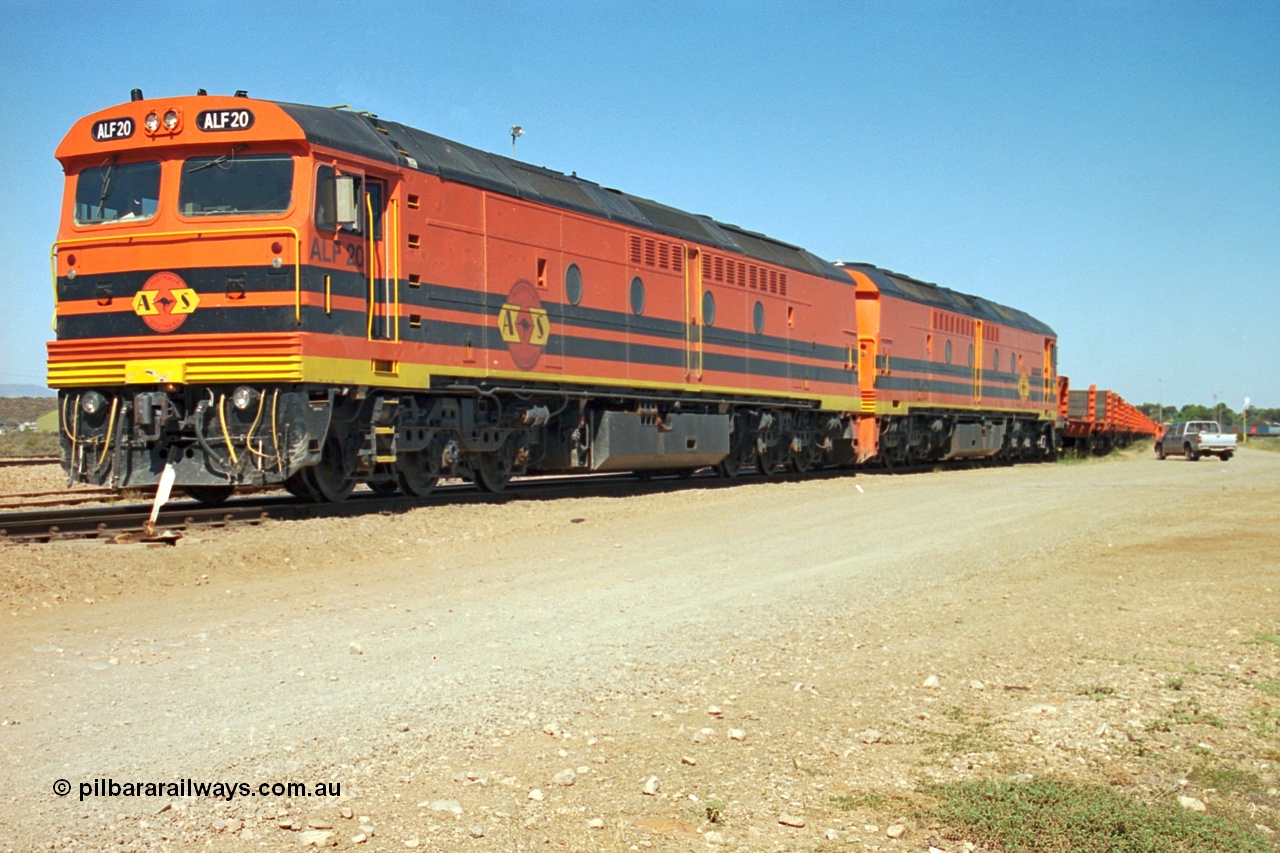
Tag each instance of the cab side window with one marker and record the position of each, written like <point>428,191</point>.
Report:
<point>339,201</point>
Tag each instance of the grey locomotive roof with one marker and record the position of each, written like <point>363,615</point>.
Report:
<point>951,300</point>
<point>410,148</point>
<point>407,147</point>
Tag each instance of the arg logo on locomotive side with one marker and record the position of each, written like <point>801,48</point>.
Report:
<point>524,325</point>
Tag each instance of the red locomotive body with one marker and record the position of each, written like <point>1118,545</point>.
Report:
<point>254,293</point>
<point>955,376</point>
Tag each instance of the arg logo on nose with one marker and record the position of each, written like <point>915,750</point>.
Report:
<point>165,302</point>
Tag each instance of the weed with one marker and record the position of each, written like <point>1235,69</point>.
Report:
<point>1273,639</point>
<point>1188,711</point>
<point>1097,692</point>
<point>715,811</point>
<point>1174,684</point>
<point>1048,814</point>
<point>868,800</point>
<point>1271,687</point>
<point>1265,722</point>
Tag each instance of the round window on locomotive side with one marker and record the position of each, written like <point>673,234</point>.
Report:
<point>971,355</point>
<point>757,317</point>
<point>637,296</point>
<point>948,352</point>
<point>573,284</point>
<point>995,360</point>
<point>1013,362</point>
<point>708,309</point>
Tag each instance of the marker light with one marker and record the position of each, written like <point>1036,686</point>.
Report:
<point>170,119</point>
<point>243,397</point>
<point>152,122</point>
<point>92,402</point>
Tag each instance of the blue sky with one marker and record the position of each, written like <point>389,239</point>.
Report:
<point>1111,167</point>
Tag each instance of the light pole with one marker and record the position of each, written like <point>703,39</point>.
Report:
<point>1244,421</point>
<point>516,132</point>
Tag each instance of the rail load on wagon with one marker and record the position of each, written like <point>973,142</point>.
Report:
<point>1093,421</point>
<point>252,293</point>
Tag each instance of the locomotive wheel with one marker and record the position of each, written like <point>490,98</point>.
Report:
<point>210,495</point>
<point>327,478</point>
<point>729,467</point>
<point>801,462</point>
<point>492,471</point>
<point>768,458</point>
<point>418,474</point>
<point>300,488</point>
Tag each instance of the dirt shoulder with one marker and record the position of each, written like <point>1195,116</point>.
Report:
<point>773,653</point>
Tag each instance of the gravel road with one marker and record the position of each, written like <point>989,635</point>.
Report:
<point>714,667</point>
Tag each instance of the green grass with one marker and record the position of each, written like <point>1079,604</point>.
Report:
<point>1264,443</point>
<point>1271,687</point>
<point>1048,815</point>
<point>1273,639</point>
<point>1230,780</point>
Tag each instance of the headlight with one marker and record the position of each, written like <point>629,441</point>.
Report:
<point>170,119</point>
<point>92,402</point>
<point>152,122</point>
<point>244,397</point>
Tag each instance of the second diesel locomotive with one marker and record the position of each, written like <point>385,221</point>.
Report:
<point>256,293</point>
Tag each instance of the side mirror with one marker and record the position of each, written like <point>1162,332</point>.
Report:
<point>348,212</point>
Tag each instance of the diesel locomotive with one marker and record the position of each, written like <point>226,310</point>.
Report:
<point>262,294</point>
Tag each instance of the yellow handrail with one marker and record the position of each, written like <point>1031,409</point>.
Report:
<point>225,232</point>
<point>369,257</point>
<point>395,279</point>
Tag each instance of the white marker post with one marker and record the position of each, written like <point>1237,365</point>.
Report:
<point>167,476</point>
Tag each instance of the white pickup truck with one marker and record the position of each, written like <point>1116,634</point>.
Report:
<point>1194,439</point>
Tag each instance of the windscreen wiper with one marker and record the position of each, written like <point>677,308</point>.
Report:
<point>217,161</point>
<point>106,188</point>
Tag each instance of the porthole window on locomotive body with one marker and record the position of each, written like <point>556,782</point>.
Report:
<point>947,352</point>
<point>1013,362</point>
<point>757,317</point>
<point>573,284</point>
<point>995,360</point>
<point>708,309</point>
<point>971,355</point>
<point>637,296</point>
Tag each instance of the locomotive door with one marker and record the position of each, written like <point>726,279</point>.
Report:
<point>693,311</point>
<point>383,299</point>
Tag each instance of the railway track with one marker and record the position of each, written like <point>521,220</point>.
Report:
<point>14,461</point>
<point>126,523</point>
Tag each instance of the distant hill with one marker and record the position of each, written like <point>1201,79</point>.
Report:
<point>26,391</point>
